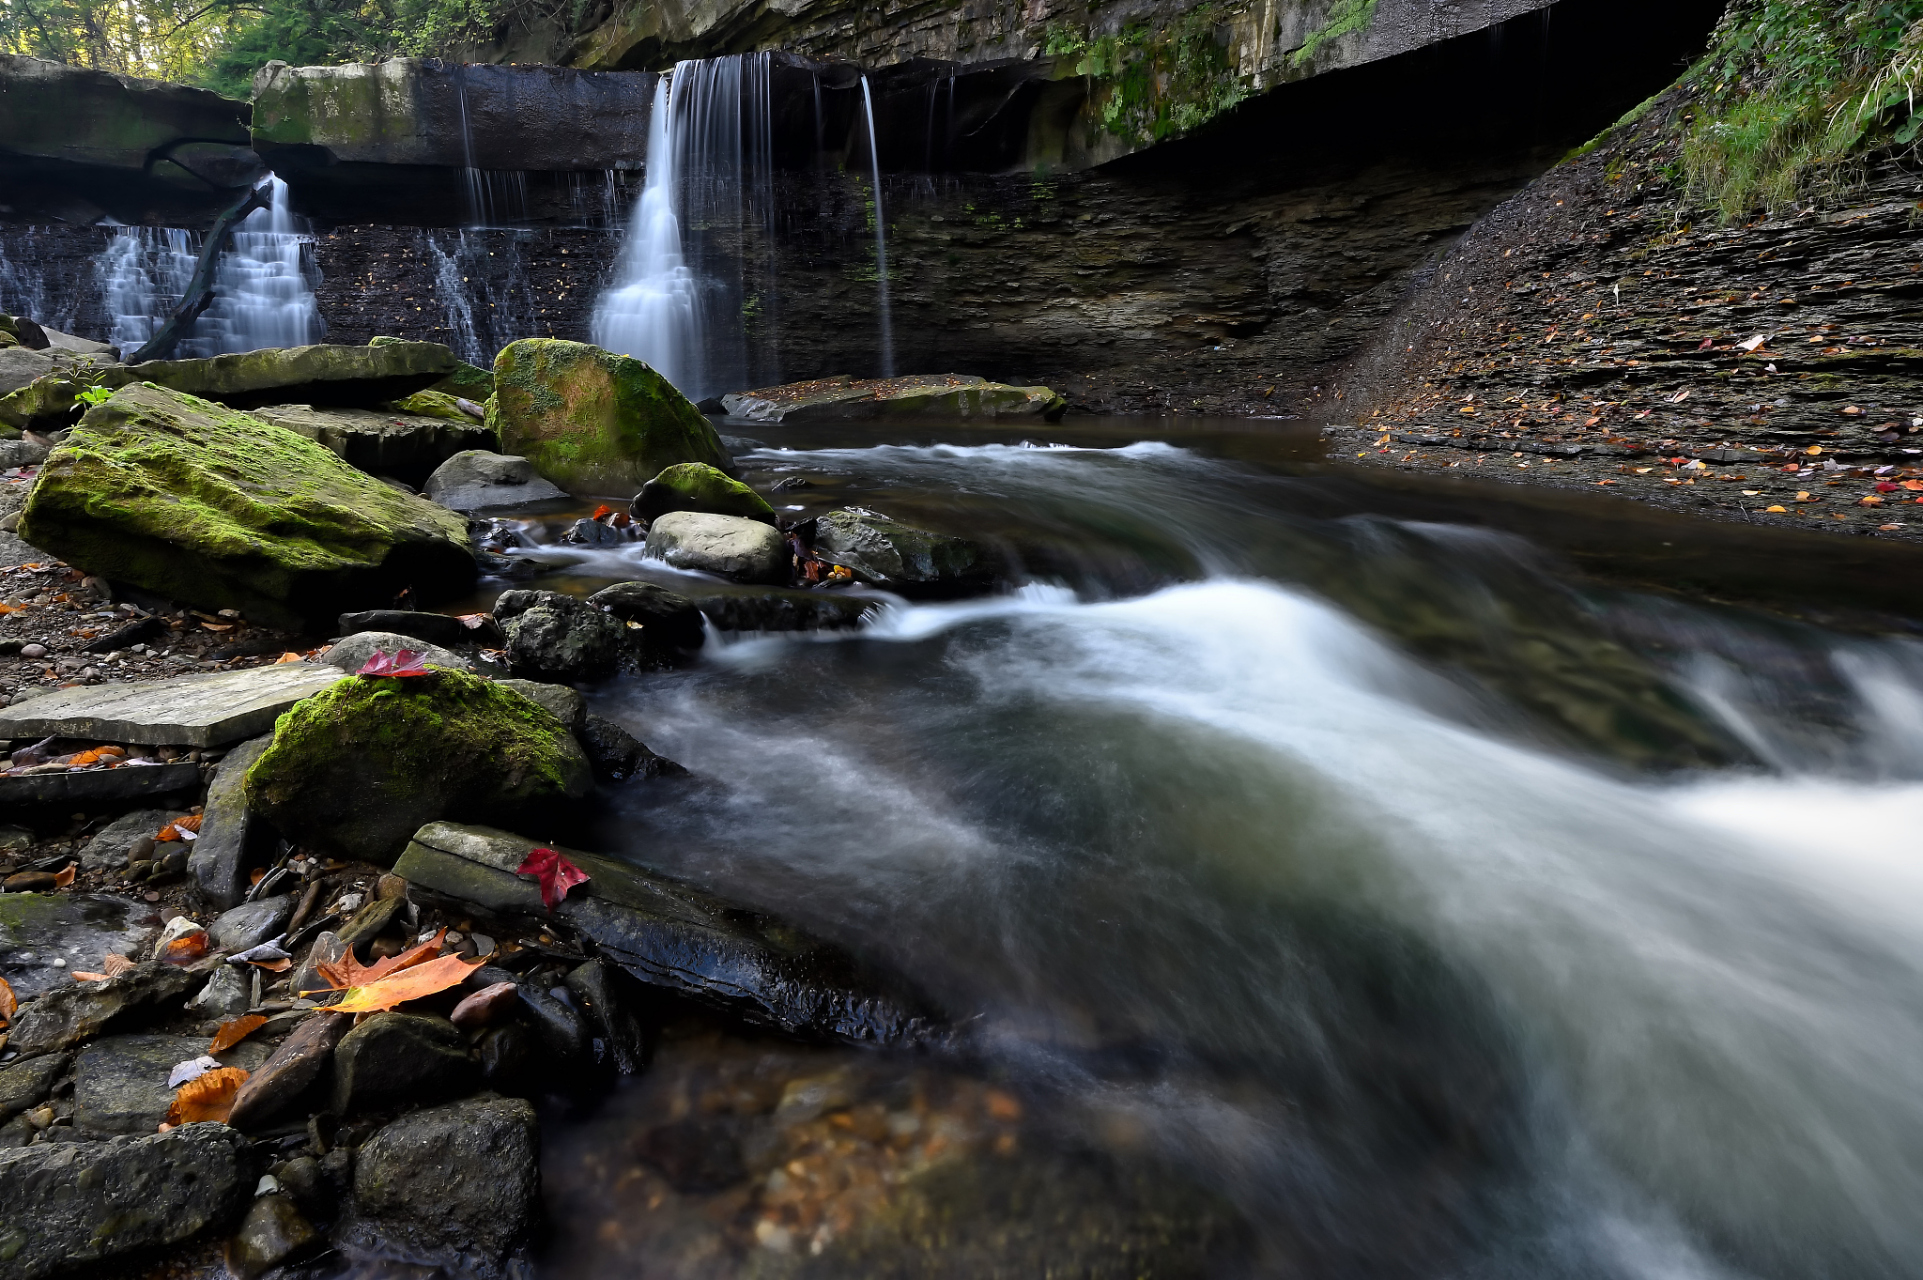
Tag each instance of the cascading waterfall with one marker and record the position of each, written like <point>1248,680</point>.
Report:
<point>482,285</point>
<point>885,322</point>
<point>261,293</point>
<point>679,301</point>
<point>26,291</point>
<point>492,195</point>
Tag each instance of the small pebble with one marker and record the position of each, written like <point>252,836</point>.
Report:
<point>30,882</point>
<point>33,651</point>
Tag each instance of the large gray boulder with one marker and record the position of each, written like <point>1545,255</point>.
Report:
<point>71,1203</point>
<point>730,546</point>
<point>456,1187</point>
<point>19,366</point>
<point>477,480</point>
<point>901,557</point>
<point>406,446</point>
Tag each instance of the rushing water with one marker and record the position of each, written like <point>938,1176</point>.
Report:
<point>1412,904</point>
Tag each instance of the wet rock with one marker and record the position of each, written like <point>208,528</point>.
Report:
<point>673,936</point>
<point>326,949</point>
<point>228,994</point>
<point>229,833</point>
<point>564,704</point>
<point>730,546</point>
<point>902,557</point>
<point>617,755</point>
<point>435,628</point>
<point>665,623</point>
<point>200,711</point>
<point>19,366</point>
<point>252,923</point>
<point>371,921</point>
<point>455,1186</point>
<point>358,768</point>
<point>490,1004</point>
<point>511,1058</point>
<point>592,421</point>
<point>553,637</point>
<point>108,849</point>
<point>786,611</point>
<point>587,532</point>
<point>477,480</point>
<point>941,397</point>
<point>120,1082</point>
<point>26,1083</point>
<point>30,882</point>
<point>695,1156</point>
<point>615,1004</point>
<point>281,1082</point>
<point>307,1182</point>
<point>695,486</point>
<point>400,1057</point>
<point>351,654</point>
<point>273,1231</point>
<point>79,1011</point>
<point>282,529</point>
<point>322,374</point>
<point>139,631</point>
<point>406,446</point>
<point>79,1202</point>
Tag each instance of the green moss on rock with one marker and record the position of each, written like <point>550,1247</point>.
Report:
<point>219,509</point>
<point>360,767</point>
<point>696,486</point>
<point>593,421</point>
<point>433,404</point>
<point>468,381</point>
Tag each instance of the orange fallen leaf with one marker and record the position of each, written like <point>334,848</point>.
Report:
<point>287,657</point>
<point>348,972</point>
<point>234,1030</point>
<point>9,1005</point>
<point>64,877</point>
<point>173,829</point>
<point>280,965</point>
<point>191,947</point>
<point>209,1096</point>
<point>409,984</point>
<point>78,976</point>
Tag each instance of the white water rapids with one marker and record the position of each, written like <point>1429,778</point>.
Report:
<point>1225,868</point>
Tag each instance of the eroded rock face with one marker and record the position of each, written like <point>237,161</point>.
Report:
<point>731,546</point>
<point>219,509</point>
<point>76,1202</point>
<point>551,636</point>
<point>592,421</point>
<point>358,768</point>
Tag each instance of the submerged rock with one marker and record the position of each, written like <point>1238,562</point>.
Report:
<point>69,1203</point>
<point>593,421</point>
<point>940,396</point>
<point>476,479</point>
<point>731,546</point>
<point>456,1187</point>
<point>786,611</point>
<point>79,929</point>
<point>902,557</point>
<point>670,935</point>
<point>407,446</point>
<point>696,486</point>
<point>220,509</point>
<point>358,768</point>
<point>553,637</point>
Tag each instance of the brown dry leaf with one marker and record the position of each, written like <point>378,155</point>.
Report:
<point>233,1031</point>
<point>115,964</point>
<point>209,1096</point>
<point>409,984</point>
<point>63,878</point>
<point>348,972</point>
<point>281,965</point>
<point>286,658</point>
<point>9,1005</point>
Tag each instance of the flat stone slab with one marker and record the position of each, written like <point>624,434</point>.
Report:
<point>194,711</point>
<point>924,396</point>
<point>126,782</point>
<point>672,935</point>
<point>79,930</point>
<point>120,1082</point>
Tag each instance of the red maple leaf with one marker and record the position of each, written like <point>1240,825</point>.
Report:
<point>405,663</point>
<point>556,874</point>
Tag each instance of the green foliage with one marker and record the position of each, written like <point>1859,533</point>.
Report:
<point>1347,17</point>
<point>1794,92</point>
<point>95,395</point>
<point>1157,83</point>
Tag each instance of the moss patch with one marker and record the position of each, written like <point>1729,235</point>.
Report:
<point>360,767</point>
<point>593,421</point>
<point>217,508</point>
<point>696,486</point>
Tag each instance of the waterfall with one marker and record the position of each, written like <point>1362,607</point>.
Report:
<point>884,318</point>
<point>679,300</point>
<point>25,289</point>
<point>481,281</point>
<point>143,271</point>
<point>492,196</point>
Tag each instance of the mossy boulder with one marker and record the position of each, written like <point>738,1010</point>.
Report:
<point>358,768</point>
<point>592,421</point>
<point>696,486</point>
<point>219,509</point>
<point>434,404</point>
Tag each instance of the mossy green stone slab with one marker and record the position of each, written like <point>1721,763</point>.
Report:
<point>217,508</point>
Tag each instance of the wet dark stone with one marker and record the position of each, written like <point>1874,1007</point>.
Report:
<point>289,1073</point>
<point>251,923</point>
<point>555,637</point>
<point>668,621</point>
<point>617,755</point>
<point>273,1231</point>
<point>786,611</point>
<point>66,1016</point>
<point>435,628</point>
<point>510,1057</point>
<point>400,1057</point>
<point>371,921</point>
<point>136,632</point>
<point>25,1084</point>
<point>615,1005</point>
<point>693,1155</point>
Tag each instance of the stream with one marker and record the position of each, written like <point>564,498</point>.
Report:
<point>1320,890</point>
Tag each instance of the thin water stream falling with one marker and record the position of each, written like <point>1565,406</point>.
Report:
<point>884,318</point>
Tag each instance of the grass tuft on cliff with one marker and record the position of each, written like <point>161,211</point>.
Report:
<point>1794,93</point>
